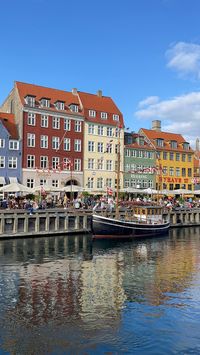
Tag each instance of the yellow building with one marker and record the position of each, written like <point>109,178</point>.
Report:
<point>103,133</point>
<point>175,158</point>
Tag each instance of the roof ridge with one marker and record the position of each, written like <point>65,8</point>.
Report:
<point>42,86</point>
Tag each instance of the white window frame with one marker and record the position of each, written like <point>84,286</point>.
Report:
<point>115,117</point>
<point>77,145</point>
<point>13,144</point>
<point>30,162</point>
<point>30,139</point>
<point>44,141</point>
<point>56,122</point>
<point>55,162</point>
<point>12,162</point>
<point>91,129</point>
<point>104,115</point>
<point>109,165</point>
<point>78,126</point>
<point>2,143</point>
<point>73,108</point>
<point>67,124</point>
<point>30,182</point>
<point>91,162</point>
<point>77,164</point>
<point>2,162</point>
<point>100,130</point>
<point>100,147</point>
<point>44,122</point>
<point>91,146</point>
<point>45,102</point>
<point>44,162</point>
<point>31,120</point>
<point>109,132</point>
<point>67,144</point>
<point>55,143</point>
<point>92,113</point>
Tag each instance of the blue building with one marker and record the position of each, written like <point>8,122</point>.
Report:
<point>10,150</point>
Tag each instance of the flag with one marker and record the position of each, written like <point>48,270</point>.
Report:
<point>109,191</point>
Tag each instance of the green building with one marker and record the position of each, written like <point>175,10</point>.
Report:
<point>139,162</point>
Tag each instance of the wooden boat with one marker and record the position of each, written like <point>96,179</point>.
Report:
<point>141,221</point>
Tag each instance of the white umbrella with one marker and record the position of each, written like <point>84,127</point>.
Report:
<point>130,190</point>
<point>45,188</point>
<point>149,191</point>
<point>72,188</point>
<point>182,192</point>
<point>16,187</point>
<point>196,192</point>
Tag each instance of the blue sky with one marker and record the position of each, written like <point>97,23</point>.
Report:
<point>145,54</point>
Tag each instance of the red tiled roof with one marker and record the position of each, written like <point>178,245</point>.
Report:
<point>8,120</point>
<point>100,104</point>
<point>139,146</point>
<point>39,92</point>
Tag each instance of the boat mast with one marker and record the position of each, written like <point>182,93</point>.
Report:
<point>118,174</point>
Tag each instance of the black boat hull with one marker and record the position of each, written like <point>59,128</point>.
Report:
<point>104,227</point>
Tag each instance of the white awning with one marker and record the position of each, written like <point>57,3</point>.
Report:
<point>13,179</point>
<point>2,180</point>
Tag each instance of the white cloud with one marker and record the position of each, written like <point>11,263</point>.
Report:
<point>148,101</point>
<point>179,114</point>
<point>185,59</point>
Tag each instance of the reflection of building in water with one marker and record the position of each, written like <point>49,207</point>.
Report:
<point>102,293</point>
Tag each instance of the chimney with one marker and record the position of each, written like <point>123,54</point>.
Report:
<point>99,93</point>
<point>156,125</point>
<point>74,91</point>
<point>197,144</point>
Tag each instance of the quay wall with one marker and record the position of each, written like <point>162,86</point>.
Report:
<point>19,223</point>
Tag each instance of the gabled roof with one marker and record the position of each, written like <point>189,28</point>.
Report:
<point>100,104</point>
<point>39,92</point>
<point>8,120</point>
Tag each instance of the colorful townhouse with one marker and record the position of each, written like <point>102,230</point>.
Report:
<point>50,124</point>
<point>139,162</point>
<point>10,150</point>
<point>196,179</point>
<point>103,136</point>
<point>174,157</point>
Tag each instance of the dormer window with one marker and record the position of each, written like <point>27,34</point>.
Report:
<point>60,105</point>
<point>92,113</point>
<point>44,102</point>
<point>30,100</point>
<point>104,115</point>
<point>160,142</point>
<point>73,108</point>
<point>173,144</point>
<point>186,146</point>
<point>115,117</point>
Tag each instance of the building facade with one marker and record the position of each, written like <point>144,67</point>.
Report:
<point>51,127</point>
<point>139,162</point>
<point>10,150</point>
<point>174,157</point>
<point>104,135</point>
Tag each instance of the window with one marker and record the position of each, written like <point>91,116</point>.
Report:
<point>109,132</point>
<point>189,157</point>
<point>30,183</point>
<point>186,146</point>
<point>44,121</point>
<point>67,144</point>
<point>189,172</point>
<point>55,142</point>
<point>91,129</point>
<point>100,130</point>
<point>43,162</point>
<point>171,171</point>
<point>77,145</point>
<point>104,115</point>
<point>99,183</point>
<point>178,173</point>
<point>117,132</point>
<point>30,161</point>
<point>2,143</point>
<point>108,148</point>
<point>55,183</point>
<point>127,152</point>
<point>45,102</point>
<point>77,164</point>
<point>31,119</point>
<point>30,101</point>
<point>66,164</point>
<point>30,140</point>
<point>92,113</point>
<point>109,182</point>
<point>60,105</point>
<point>177,156</point>
<point>115,117</point>
<point>171,156</point>
<point>12,162</point>
<point>165,154</point>
<point>55,162</point>
<point>90,182</point>
<point>183,157</point>
<point>43,182</point>
<point>2,162</point>
<point>44,141</point>
<point>100,164</point>
<point>183,172</point>
<point>73,108</point>
<point>90,146</point>
<point>126,183</point>
<point>56,123</point>
<point>160,142</point>
<point>77,127</point>
<point>164,170</point>
<point>13,145</point>
<point>100,147</point>
<point>90,163</point>
<point>109,165</point>
<point>67,124</point>
<point>173,144</point>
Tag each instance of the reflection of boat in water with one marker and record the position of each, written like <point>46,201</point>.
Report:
<point>141,221</point>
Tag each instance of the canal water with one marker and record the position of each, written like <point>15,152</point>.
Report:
<point>69,295</point>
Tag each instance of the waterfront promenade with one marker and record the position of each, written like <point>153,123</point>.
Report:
<point>20,223</point>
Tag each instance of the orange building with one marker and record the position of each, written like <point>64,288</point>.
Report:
<point>174,157</point>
